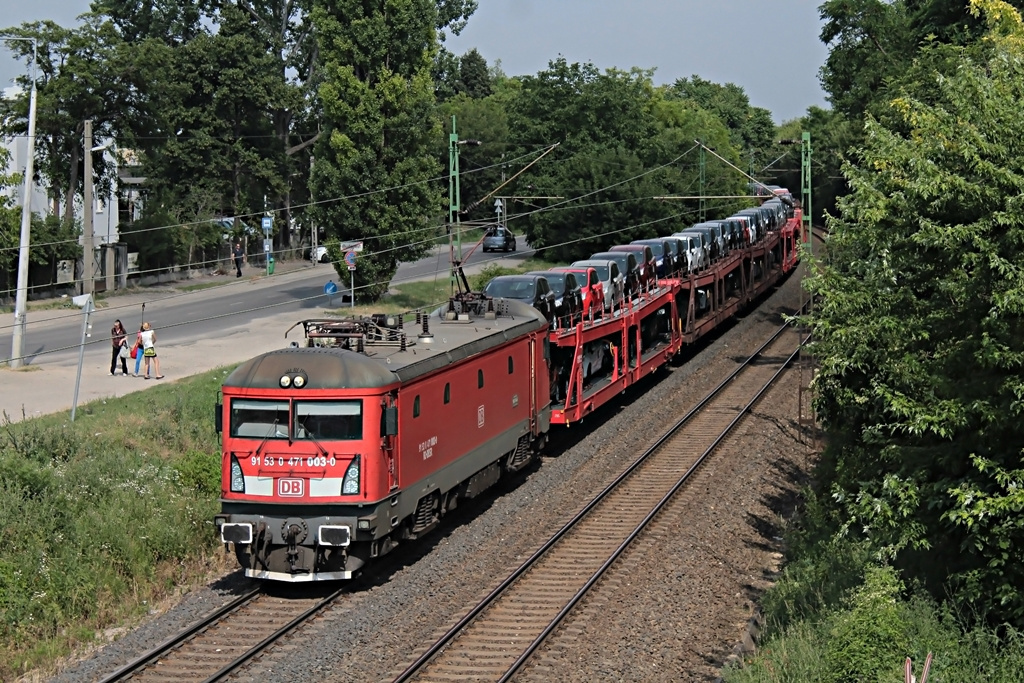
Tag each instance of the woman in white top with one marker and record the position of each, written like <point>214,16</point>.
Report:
<point>148,336</point>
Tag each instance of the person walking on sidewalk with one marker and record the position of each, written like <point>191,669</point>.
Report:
<point>239,257</point>
<point>118,340</point>
<point>149,350</point>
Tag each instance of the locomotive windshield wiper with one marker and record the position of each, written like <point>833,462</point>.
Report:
<point>272,430</point>
<point>309,433</point>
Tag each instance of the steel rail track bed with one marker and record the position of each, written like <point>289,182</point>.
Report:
<point>495,638</point>
<point>225,640</point>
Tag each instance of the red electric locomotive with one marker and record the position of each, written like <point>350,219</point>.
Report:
<point>336,451</point>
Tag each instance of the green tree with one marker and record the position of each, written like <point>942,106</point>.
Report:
<point>622,143</point>
<point>373,170</point>
<point>919,331</point>
<point>751,129</point>
<point>82,73</point>
<point>10,218</point>
<point>474,76</point>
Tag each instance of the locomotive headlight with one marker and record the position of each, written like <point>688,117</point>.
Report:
<point>286,381</point>
<point>350,485</point>
<point>299,381</point>
<point>237,478</point>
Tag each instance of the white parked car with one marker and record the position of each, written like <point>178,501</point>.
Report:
<point>319,255</point>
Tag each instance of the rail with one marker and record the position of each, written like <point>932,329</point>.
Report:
<point>483,666</point>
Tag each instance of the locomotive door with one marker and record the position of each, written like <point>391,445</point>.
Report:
<point>389,438</point>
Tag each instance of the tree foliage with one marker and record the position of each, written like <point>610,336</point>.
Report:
<point>919,333</point>
<point>623,142</point>
<point>751,129</point>
<point>377,95</point>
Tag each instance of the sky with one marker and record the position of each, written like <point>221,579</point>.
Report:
<point>770,49</point>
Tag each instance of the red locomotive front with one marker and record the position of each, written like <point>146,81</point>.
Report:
<point>334,452</point>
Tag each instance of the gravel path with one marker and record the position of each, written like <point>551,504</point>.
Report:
<point>694,588</point>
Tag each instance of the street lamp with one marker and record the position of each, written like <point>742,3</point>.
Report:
<point>21,298</point>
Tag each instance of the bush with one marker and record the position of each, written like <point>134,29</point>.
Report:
<point>868,641</point>
<point>200,472</point>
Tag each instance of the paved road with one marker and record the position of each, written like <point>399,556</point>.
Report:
<point>196,331</point>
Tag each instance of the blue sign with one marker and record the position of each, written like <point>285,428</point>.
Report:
<point>330,288</point>
<point>268,224</point>
<point>350,259</point>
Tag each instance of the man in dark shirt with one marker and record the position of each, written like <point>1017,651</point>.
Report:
<point>239,255</point>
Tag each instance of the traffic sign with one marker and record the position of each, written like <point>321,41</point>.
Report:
<point>330,288</point>
<point>350,259</point>
<point>268,224</point>
<point>352,246</point>
<point>351,267</point>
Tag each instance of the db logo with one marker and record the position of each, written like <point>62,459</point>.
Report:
<point>289,487</point>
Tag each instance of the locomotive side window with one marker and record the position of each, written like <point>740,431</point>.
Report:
<point>329,420</point>
<point>259,419</point>
<point>447,392</point>
<point>416,407</point>
<point>510,365</point>
<point>480,379</point>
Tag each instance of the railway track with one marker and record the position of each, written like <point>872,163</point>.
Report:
<point>225,640</point>
<point>499,635</point>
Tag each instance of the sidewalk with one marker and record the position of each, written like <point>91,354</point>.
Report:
<point>42,389</point>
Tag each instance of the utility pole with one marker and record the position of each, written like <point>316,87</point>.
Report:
<point>454,240</point>
<point>805,186</point>
<point>702,206</point>
<point>87,241</point>
<point>21,297</point>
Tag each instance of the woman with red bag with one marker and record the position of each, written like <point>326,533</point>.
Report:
<point>136,351</point>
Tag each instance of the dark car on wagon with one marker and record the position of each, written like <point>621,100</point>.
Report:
<point>591,288</point>
<point>533,289</point>
<point>628,266</point>
<point>568,297</point>
<point>663,259</point>
<point>645,262</point>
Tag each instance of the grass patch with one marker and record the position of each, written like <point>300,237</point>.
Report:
<point>103,517</point>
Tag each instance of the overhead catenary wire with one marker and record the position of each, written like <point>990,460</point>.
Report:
<point>320,296</point>
<point>538,210</point>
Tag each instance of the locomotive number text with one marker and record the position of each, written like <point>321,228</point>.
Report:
<point>427,447</point>
<point>314,461</point>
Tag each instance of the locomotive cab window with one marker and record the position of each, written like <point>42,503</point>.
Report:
<point>259,419</point>
<point>329,420</point>
<point>447,392</point>
<point>416,407</point>
<point>480,379</point>
<point>510,365</point>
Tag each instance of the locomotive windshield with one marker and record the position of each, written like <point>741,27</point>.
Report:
<point>259,419</point>
<point>329,420</point>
